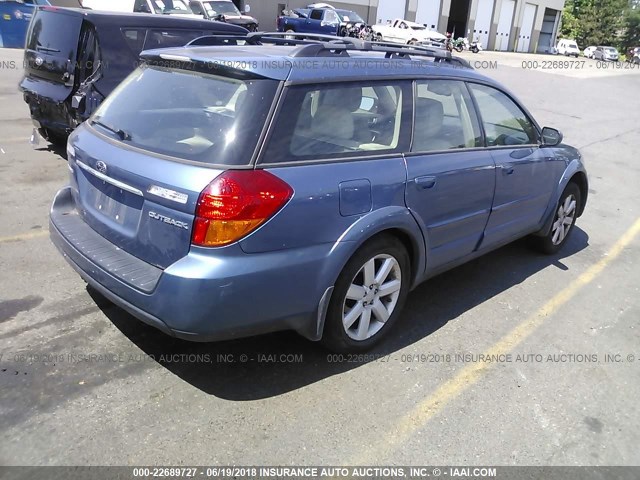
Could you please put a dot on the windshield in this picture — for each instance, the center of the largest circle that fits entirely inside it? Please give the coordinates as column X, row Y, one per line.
column 348, row 16
column 161, row 6
column 217, row 8
column 192, row 116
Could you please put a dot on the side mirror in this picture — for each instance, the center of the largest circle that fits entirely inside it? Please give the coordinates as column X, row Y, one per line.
column 551, row 137
column 247, row 9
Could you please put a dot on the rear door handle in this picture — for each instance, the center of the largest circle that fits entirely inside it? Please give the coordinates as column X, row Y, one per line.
column 507, row 169
column 425, row 182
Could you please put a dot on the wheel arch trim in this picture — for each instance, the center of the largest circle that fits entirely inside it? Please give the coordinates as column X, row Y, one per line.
column 395, row 220
column 575, row 172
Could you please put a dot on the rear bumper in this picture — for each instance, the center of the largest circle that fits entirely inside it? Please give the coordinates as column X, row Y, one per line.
column 49, row 112
column 203, row 297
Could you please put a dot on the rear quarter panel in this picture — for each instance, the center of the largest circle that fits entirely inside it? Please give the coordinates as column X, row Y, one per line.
column 321, row 211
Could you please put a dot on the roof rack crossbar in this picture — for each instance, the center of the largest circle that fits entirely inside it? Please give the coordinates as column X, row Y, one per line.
column 212, row 40
column 314, row 45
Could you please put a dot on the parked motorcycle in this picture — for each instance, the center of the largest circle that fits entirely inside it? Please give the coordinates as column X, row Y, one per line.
column 475, row 46
column 461, row 44
column 357, row 30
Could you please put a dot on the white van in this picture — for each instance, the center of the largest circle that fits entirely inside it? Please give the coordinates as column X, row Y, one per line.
column 170, row 7
column 109, row 5
column 568, row 47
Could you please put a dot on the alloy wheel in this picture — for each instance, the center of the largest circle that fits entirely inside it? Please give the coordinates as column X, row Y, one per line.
column 564, row 220
column 372, row 297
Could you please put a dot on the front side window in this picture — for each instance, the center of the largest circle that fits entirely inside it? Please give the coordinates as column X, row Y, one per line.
column 218, row 7
column 188, row 115
column 503, row 121
column 196, row 8
column 316, row 15
column 331, row 17
column 324, row 122
column 162, row 6
column 445, row 118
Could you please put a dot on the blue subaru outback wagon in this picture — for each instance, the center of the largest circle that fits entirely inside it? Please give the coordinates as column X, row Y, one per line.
column 228, row 191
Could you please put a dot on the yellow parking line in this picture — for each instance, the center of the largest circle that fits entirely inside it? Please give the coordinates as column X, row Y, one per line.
column 430, row 406
column 24, row 236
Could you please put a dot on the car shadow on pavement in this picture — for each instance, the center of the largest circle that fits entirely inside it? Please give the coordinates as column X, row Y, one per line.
column 58, row 150
column 270, row 365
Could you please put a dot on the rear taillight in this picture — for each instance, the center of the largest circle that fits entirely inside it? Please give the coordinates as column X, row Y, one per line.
column 236, row 203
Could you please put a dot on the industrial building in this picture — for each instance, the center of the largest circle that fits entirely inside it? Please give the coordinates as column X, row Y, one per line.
column 510, row 25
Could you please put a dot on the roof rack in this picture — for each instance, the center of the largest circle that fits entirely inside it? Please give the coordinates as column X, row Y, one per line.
column 314, row 45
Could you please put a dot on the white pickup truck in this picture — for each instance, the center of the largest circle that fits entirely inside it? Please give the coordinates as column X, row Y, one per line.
column 403, row 31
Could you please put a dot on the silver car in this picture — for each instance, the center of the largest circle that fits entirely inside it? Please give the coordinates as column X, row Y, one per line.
column 606, row 54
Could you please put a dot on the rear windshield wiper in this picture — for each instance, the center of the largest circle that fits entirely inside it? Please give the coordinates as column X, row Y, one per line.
column 48, row 50
column 122, row 135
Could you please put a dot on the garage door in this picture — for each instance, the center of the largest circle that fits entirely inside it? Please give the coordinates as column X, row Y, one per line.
column 504, row 24
column 547, row 32
column 390, row 10
column 524, row 40
column 483, row 22
column 428, row 13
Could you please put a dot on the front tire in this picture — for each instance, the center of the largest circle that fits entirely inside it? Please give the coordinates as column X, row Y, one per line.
column 564, row 220
column 368, row 296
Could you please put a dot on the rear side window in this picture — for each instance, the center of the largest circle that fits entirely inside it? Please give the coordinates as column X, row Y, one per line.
column 135, row 38
column 170, row 38
column 504, row 122
column 89, row 56
column 187, row 115
column 334, row 121
column 445, row 118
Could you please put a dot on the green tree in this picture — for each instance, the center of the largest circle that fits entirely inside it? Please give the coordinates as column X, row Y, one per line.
column 594, row 22
column 631, row 36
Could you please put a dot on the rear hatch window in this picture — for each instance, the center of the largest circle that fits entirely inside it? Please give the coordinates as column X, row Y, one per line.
column 52, row 46
column 188, row 115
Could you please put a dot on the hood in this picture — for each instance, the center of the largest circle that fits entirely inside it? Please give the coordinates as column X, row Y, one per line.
column 240, row 19
column 431, row 35
column 178, row 13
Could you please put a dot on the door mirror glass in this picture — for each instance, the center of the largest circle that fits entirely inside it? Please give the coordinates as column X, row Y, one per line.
column 551, row 137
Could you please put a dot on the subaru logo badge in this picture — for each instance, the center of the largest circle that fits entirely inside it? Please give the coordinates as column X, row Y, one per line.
column 39, row 61
column 101, row 167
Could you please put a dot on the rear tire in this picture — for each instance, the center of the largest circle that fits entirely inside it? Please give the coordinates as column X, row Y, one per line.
column 55, row 138
column 368, row 296
column 564, row 219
